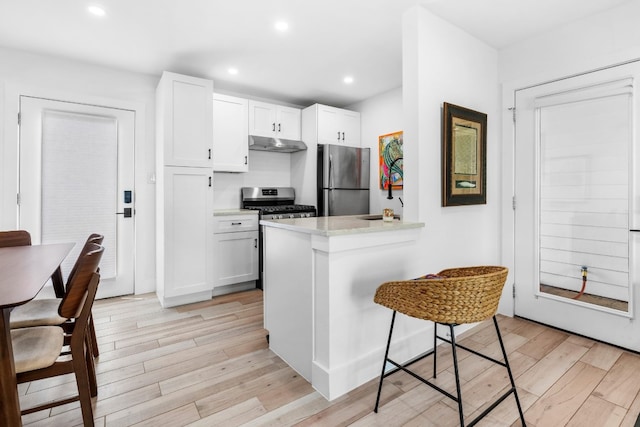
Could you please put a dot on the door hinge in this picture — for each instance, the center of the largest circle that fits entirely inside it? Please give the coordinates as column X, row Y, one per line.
column 513, row 113
column 19, row 119
column 18, row 199
column 513, row 203
column 513, row 288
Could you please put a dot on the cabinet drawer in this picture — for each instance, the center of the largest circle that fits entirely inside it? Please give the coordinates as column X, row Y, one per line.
column 232, row 224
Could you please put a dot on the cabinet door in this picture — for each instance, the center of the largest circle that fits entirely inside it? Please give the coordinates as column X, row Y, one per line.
column 236, row 257
column 328, row 125
column 288, row 125
column 187, row 122
column 350, row 125
column 188, row 231
column 262, row 119
column 230, row 134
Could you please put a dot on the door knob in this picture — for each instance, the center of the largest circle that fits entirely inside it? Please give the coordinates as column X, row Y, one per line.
column 128, row 212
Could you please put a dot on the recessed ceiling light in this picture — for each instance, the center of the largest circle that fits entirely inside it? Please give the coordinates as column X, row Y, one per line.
column 348, row 80
column 233, row 71
column 96, row 10
column 281, row 26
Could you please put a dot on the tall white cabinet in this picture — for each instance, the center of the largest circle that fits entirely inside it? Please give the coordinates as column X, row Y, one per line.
column 184, row 189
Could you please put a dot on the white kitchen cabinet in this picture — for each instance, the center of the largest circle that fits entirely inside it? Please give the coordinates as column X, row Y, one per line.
column 230, row 133
column 184, row 189
column 184, row 239
column 276, row 121
column 184, row 120
column 321, row 124
column 236, row 249
column 337, row 126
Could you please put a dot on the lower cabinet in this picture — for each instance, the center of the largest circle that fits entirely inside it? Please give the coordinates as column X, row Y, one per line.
column 184, row 237
column 236, row 249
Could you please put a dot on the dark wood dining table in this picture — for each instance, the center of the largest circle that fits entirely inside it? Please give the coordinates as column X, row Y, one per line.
column 24, row 270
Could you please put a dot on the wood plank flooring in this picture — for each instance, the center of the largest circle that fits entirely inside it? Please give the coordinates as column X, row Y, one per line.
column 208, row 364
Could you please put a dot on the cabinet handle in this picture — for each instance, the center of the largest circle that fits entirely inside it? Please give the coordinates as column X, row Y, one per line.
column 338, row 135
column 209, row 153
column 279, row 127
column 343, row 136
column 245, row 160
column 255, row 243
column 274, row 126
column 209, row 181
column 236, row 223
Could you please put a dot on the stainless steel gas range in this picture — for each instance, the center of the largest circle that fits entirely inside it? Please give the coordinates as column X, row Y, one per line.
column 273, row 203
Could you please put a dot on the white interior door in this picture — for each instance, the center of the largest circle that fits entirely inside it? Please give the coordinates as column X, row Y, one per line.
column 577, row 197
column 77, row 178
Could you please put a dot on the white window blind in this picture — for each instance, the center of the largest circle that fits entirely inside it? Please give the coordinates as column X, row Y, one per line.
column 79, row 183
column 584, row 141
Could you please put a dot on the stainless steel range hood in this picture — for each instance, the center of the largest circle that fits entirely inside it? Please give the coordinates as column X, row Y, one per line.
column 280, row 145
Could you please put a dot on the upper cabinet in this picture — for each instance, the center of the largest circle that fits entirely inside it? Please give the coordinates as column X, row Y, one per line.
column 230, row 134
column 184, row 112
column 338, row 126
column 276, row 121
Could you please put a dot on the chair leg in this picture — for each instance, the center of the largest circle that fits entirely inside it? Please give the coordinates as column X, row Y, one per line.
column 384, row 362
column 457, row 374
column 435, row 346
column 506, row 362
column 82, row 381
column 91, row 369
column 94, row 339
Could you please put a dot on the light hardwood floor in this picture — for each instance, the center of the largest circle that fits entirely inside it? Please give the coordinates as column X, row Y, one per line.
column 208, row 364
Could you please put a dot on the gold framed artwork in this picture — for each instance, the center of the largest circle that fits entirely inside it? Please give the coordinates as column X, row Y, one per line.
column 390, row 160
column 464, row 160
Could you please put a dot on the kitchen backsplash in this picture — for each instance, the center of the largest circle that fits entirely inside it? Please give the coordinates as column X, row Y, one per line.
column 265, row 170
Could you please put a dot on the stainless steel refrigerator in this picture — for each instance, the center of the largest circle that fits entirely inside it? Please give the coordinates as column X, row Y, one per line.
column 343, row 180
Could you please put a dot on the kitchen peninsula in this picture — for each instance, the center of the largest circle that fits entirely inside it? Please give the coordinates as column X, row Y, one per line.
column 320, row 276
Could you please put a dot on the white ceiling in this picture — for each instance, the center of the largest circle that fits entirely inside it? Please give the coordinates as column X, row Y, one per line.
column 326, row 40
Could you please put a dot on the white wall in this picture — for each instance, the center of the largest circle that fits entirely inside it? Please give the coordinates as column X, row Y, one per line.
column 442, row 63
column 40, row 75
column 380, row 115
column 598, row 41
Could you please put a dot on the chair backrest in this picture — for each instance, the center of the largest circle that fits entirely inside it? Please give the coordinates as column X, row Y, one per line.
column 455, row 296
column 14, row 238
column 77, row 287
column 92, row 239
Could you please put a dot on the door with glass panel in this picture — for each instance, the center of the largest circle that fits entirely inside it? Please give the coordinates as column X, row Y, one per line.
column 77, row 178
column 577, row 205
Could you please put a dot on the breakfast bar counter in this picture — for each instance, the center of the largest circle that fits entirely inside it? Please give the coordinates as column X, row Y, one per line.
column 320, row 276
column 342, row 225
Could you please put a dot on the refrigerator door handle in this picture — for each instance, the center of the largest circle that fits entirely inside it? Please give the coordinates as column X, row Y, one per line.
column 330, row 171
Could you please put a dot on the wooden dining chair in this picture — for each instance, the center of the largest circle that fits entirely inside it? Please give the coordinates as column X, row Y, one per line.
column 40, row 352
column 13, row 238
column 44, row 312
column 23, row 238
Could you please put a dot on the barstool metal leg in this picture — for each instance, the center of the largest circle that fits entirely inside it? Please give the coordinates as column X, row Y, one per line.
column 435, row 345
column 384, row 362
column 506, row 362
column 457, row 374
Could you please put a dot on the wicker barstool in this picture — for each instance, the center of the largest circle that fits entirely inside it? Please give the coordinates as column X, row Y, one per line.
column 450, row 298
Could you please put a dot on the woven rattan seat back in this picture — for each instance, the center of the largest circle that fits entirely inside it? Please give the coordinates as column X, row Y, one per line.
column 458, row 295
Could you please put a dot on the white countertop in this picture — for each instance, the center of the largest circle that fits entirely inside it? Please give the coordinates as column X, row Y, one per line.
column 339, row 225
column 226, row 212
